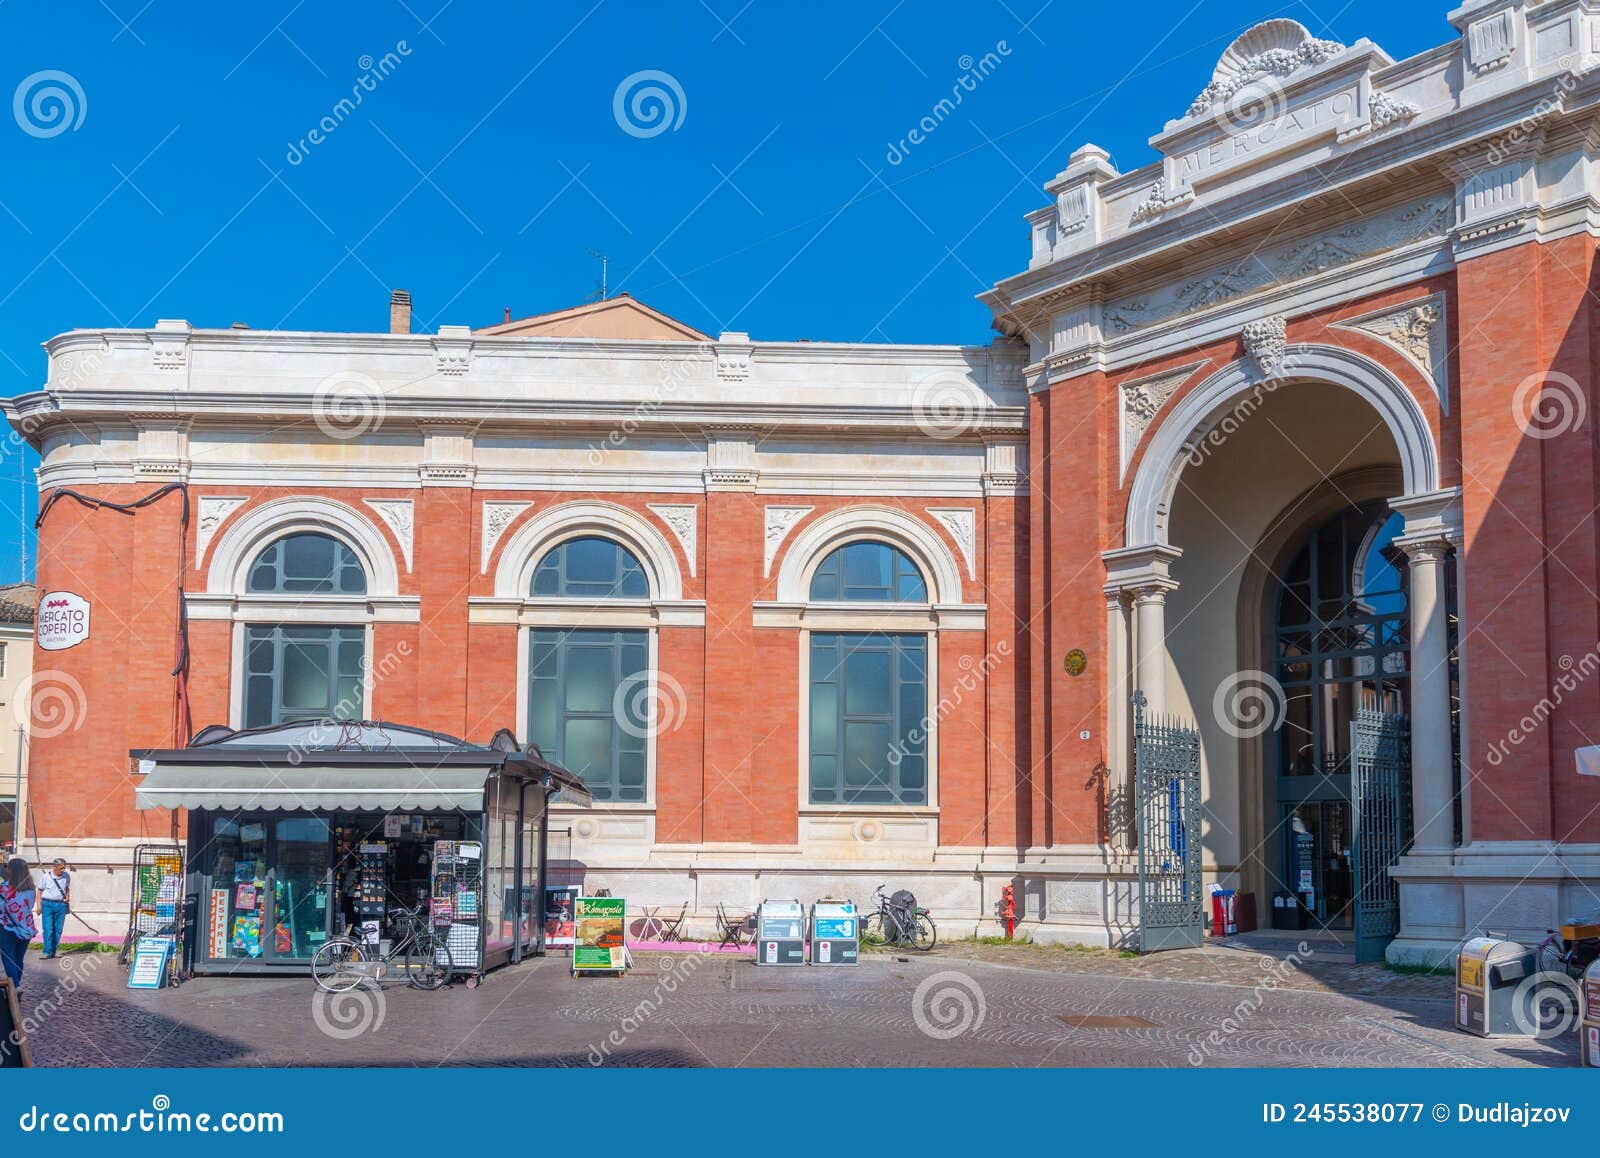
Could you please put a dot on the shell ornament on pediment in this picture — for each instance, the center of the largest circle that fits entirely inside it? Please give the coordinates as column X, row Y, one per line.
column 1275, row 48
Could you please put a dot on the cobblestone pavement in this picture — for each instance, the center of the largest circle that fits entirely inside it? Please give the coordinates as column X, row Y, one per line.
column 692, row 1010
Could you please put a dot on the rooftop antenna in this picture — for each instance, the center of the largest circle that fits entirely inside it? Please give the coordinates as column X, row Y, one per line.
column 604, row 263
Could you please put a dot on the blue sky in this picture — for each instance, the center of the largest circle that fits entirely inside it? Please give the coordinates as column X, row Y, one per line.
column 484, row 165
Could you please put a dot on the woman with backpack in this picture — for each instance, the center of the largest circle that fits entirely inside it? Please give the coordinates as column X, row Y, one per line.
column 16, row 917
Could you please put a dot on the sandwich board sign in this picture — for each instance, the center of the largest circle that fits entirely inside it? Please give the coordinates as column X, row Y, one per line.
column 150, row 959
column 600, row 925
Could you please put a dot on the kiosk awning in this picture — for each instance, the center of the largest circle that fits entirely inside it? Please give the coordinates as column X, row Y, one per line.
column 236, row 788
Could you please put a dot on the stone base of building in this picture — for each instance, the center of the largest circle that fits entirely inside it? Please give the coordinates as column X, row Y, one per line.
column 102, row 881
column 1515, row 889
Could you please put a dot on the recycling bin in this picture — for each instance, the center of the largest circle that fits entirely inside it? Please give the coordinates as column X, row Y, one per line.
column 1223, row 922
column 781, row 933
column 1589, row 1030
column 835, row 933
column 1488, row 971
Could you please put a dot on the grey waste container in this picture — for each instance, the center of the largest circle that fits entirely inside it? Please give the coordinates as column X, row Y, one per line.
column 835, row 933
column 1488, row 971
column 781, row 933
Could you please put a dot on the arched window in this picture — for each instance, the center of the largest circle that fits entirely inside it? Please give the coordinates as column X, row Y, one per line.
column 589, row 693
column 591, row 568
column 296, row 671
column 307, row 564
column 869, row 689
column 868, row 573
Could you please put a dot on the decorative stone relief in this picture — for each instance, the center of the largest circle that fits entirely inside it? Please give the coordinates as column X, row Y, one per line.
column 1074, row 210
column 1143, row 400
column 780, row 521
column 1275, row 49
column 1289, row 262
column 1266, row 342
column 497, row 516
column 733, row 357
column 211, row 513
column 684, row 519
column 169, row 345
column 962, row 523
column 1157, row 204
column 1491, row 42
column 1383, row 112
column 730, row 459
column 452, row 350
column 1416, row 330
column 397, row 515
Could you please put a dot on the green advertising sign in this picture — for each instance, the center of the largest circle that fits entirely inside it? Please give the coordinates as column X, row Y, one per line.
column 601, row 929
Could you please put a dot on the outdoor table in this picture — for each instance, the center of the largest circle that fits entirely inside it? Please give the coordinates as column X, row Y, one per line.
column 650, row 915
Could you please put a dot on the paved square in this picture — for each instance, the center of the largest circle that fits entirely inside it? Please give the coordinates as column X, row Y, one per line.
column 962, row 1006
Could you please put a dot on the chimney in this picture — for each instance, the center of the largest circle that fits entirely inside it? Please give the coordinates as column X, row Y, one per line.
column 400, row 312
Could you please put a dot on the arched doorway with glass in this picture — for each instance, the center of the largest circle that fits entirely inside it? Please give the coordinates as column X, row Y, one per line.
column 1340, row 643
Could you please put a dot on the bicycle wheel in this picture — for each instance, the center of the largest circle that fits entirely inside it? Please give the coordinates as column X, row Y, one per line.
column 924, row 936
column 337, row 965
column 872, row 929
column 428, row 964
column 1551, row 956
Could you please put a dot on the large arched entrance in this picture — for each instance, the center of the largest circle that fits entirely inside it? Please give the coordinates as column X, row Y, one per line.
column 1272, row 602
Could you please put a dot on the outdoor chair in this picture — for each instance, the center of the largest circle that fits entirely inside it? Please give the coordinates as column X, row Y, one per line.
column 732, row 927
column 672, row 927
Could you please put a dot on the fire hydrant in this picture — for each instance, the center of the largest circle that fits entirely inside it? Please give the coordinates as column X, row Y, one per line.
column 1008, row 910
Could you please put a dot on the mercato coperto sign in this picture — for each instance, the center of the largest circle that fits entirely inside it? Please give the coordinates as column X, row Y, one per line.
column 63, row 620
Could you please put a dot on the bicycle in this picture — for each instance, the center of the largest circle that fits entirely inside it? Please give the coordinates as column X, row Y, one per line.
column 342, row 963
column 900, row 921
column 1558, row 954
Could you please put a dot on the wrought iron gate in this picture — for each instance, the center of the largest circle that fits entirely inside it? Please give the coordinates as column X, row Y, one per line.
column 1167, row 783
column 1379, row 804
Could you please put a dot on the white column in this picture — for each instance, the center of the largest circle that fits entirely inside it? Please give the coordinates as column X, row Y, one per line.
column 1432, row 780
column 1150, row 621
column 1119, row 720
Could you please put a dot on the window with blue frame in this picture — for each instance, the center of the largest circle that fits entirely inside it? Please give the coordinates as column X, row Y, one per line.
column 869, row 707
column 868, row 573
column 588, row 706
column 304, row 671
column 869, row 690
column 590, row 568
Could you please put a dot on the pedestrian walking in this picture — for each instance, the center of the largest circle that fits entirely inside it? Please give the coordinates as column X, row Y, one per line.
column 16, row 917
column 55, row 902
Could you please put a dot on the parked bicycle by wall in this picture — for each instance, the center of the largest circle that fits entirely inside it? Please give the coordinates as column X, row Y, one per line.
column 342, row 963
column 900, row 921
